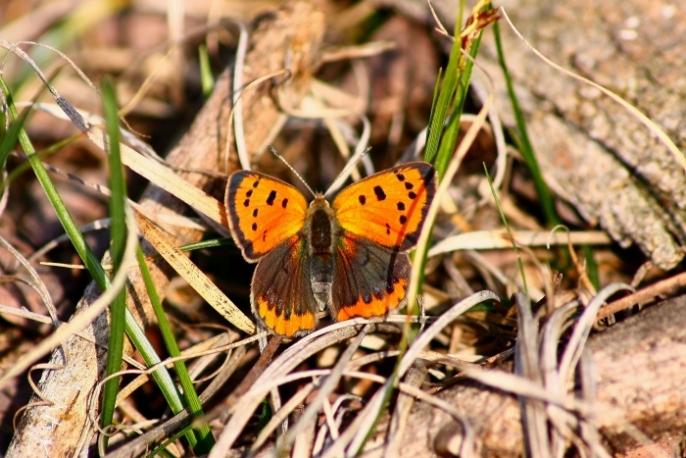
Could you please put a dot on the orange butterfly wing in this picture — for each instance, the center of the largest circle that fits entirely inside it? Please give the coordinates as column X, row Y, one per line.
column 281, row 291
column 263, row 212
column 382, row 216
column 388, row 208
column 369, row 280
column 266, row 217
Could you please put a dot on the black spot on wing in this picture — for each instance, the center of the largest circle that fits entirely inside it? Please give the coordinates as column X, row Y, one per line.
column 380, row 194
column 388, row 229
column 254, row 213
column 254, row 226
column 249, row 193
column 246, row 202
column 412, row 195
column 362, row 199
column 271, row 198
column 401, row 206
column 284, row 203
column 408, row 185
column 400, row 176
column 403, row 219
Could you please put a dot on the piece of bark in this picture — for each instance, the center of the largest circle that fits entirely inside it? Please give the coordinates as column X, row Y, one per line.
column 592, row 151
column 294, row 30
column 639, row 369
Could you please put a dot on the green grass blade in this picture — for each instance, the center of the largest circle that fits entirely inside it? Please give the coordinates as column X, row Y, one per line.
column 115, row 348
column 160, row 374
column 591, row 266
column 449, row 97
column 434, row 102
column 9, row 138
column 206, row 77
column 440, row 113
column 205, row 438
column 526, row 148
column 209, row 243
column 509, row 231
column 449, row 139
column 22, row 168
column 92, row 264
column 71, row 229
column 442, row 141
column 448, row 86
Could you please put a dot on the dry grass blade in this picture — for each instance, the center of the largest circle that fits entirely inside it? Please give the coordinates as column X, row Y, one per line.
column 399, row 419
column 279, row 368
column 37, row 283
column 454, row 164
column 649, row 123
column 82, row 320
column 326, row 388
column 153, row 171
column 582, row 329
column 667, row 286
column 525, row 388
column 607, row 405
column 196, row 278
column 358, row 430
column 430, row 332
column 527, row 365
column 544, row 396
column 282, row 414
column 500, row 239
column 171, row 426
column 552, row 333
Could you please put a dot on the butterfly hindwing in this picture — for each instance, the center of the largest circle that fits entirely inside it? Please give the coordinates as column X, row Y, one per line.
column 368, row 279
column 263, row 212
column 281, row 292
column 388, row 208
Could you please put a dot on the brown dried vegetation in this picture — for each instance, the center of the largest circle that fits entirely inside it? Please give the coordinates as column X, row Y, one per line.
column 576, row 367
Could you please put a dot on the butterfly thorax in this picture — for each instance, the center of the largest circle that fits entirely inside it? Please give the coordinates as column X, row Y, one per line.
column 319, row 226
column 320, row 230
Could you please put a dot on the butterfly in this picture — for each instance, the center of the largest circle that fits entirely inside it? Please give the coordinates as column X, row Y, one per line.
column 348, row 256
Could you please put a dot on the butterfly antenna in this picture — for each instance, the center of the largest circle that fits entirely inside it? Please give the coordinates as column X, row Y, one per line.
column 290, row 167
column 347, row 170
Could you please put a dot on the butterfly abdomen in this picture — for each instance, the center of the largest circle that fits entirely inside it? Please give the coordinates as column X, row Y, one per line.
column 321, row 277
column 319, row 234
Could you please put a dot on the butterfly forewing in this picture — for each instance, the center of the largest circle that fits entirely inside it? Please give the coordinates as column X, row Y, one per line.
column 388, row 208
column 263, row 212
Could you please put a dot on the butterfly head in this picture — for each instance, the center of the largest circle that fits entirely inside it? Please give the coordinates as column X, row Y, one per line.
column 319, row 201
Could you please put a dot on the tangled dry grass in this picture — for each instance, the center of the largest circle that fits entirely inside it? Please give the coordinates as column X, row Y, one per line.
column 523, row 344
